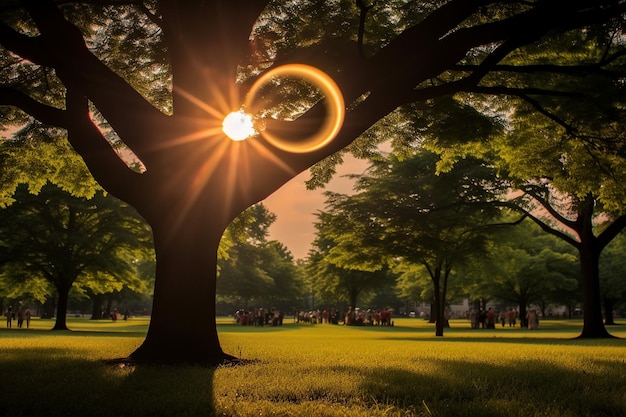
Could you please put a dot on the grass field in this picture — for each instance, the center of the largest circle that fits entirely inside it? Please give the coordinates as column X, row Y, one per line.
column 321, row 370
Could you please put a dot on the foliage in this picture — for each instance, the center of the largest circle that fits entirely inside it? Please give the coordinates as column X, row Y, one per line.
column 407, row 213
column 71, row 241
column 37, row 155
column 330, row 277
column 255, row 270
column 527, row 266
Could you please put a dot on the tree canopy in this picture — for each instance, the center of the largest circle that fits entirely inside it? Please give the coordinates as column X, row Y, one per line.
column 69, row 240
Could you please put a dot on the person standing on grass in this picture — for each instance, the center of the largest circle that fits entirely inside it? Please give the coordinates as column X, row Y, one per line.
column 531, row 318
column 27, row 317
column 20, row 318
column 9, row 314
column 473, row 318
column 491, row 324
column 511, row 316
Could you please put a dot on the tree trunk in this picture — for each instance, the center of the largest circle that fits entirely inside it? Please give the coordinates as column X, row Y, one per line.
column 182, row 327
column 593, row 326
column 353, row 298
column 61, row 318
column 96, row 311
column 522, row 314
column 438, row 303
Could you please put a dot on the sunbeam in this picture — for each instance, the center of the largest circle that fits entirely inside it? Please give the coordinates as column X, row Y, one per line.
column 230, row 163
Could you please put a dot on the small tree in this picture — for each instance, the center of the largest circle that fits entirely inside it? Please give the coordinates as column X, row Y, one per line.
column 525, row 266
column 330, row 277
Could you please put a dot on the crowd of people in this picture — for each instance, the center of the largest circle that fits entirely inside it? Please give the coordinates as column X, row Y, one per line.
column 260, row 317
column 486, row 319
column 353, row 317
column 22, row 316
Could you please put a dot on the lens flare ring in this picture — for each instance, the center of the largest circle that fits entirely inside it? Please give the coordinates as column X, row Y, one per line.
column 334, row 102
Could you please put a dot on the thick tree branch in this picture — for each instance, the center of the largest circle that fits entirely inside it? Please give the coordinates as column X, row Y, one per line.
column 576, row 70
column 521, row 29
column 103, row 162
column 30, row 48
column 611, row 232
column 79, row 69
column 544, row 226
column 543, row 200
column 45, row 114
column 363, row 10
column 391, row 75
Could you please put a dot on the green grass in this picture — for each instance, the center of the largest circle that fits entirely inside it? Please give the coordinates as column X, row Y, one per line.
column 319, row 370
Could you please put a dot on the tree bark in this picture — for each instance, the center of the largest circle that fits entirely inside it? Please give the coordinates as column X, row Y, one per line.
column 182, row 327
column 593, row 326
column 523, row 304
column 61, row 318
column 354, row 293
column 96, row 311
column 438, row 302
column 589, row 252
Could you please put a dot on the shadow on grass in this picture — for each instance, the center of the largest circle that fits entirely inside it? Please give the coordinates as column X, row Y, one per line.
column 459, row 388
column 34, row 333
column 44, row 382
column 517, row 340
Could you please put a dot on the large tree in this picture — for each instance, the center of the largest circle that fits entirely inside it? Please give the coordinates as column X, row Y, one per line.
column 60, row 57
column 65, row 240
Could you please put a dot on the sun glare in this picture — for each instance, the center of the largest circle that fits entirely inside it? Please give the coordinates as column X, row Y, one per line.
column 334, row 102
column 238, row 125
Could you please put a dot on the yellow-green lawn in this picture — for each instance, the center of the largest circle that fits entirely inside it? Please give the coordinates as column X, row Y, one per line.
column 319, row 370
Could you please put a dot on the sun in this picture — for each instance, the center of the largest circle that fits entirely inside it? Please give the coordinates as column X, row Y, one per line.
column 238, row 125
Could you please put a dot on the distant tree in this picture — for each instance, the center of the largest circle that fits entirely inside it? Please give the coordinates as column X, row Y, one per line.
column 331, row 278
column 288, row 288
column 414, row 284
column 405, row 212
column 67, row 240
column 578, row 212
column 104, row 287
column 526, row 265
column 254, row 269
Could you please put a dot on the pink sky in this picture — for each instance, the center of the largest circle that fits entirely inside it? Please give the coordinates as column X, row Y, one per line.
column 295, row 207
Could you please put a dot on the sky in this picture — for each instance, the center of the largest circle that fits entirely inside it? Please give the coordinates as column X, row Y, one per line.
column 295, row 207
